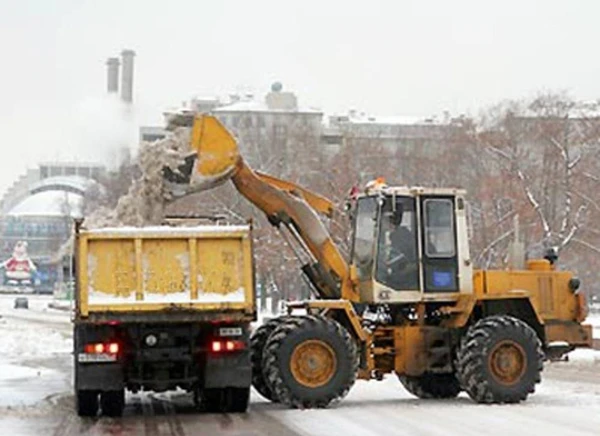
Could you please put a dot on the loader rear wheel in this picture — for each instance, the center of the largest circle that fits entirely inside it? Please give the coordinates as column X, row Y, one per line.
column 310, row 361
column 258, row 340
column 500, row 360
column 431, row 385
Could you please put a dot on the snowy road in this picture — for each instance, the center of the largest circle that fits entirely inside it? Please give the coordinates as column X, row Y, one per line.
column 36, row 398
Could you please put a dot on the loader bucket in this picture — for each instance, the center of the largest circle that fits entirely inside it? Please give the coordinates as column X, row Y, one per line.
column 212, row 160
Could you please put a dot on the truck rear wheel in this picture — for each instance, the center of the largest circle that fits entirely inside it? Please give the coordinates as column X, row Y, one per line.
column 86, row 403
column 226, row 400
column 258, row 340
column 431, row 385
column 500, row 360
column 310, row 361
column 112, row 403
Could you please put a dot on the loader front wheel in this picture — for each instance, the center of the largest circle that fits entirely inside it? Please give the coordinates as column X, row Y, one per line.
column 500, row 360
column 258, row 340
column 310, row 361
column 429, row 385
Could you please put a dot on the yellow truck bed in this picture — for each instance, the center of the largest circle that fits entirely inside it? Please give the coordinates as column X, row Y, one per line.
column 129, row 269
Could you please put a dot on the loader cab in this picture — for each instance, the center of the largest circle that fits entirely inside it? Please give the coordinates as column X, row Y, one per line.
column 411, row 245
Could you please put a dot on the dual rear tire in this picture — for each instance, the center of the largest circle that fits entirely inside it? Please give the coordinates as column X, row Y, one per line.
column 111, row 403
column 226, row 400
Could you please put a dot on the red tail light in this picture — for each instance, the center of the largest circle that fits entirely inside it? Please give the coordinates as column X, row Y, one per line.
column 219, row 346
column 99, row 348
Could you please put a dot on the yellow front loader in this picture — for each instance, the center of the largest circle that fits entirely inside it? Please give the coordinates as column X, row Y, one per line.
column 407, row 300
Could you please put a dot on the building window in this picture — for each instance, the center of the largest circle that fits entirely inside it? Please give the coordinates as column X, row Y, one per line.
column 280, row 132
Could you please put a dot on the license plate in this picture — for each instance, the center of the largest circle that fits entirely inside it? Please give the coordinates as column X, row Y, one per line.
column 230, row 331
column 100, row 357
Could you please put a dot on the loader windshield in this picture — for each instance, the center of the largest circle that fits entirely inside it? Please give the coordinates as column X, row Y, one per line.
column 365, row 221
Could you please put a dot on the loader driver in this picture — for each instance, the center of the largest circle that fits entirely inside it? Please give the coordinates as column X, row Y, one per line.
column 400, row 247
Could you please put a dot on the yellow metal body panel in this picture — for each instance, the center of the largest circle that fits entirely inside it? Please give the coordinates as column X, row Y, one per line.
column 548, row 291
column 571, row 332
column 199, row 268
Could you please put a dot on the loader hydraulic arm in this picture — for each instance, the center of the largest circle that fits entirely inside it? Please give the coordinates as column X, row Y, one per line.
column 286, row 204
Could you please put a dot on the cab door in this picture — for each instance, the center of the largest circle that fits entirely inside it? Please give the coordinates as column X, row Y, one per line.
column 439, row 244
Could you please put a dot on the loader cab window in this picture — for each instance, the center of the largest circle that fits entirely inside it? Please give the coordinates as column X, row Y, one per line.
column 439, row 228
column 397, row 259
column 364, row 236
column 440, row 260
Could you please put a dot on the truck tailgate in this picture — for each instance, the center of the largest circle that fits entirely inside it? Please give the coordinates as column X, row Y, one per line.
column 154, row 268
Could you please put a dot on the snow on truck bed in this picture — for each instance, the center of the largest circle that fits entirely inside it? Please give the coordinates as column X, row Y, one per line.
column 167, row 230
column 101, row 298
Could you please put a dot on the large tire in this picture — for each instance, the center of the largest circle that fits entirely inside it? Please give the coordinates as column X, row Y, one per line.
column 310, row 361
column 112, row 403
column 499, row 360
column 430, row 385
column 86, row 403
column 226, row 400
column 258, row 340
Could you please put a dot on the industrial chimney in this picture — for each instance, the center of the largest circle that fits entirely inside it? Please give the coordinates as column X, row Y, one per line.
column 127, row 76
column 113, row 75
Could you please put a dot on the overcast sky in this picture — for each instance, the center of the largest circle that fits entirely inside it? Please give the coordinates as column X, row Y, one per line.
column 397, row 57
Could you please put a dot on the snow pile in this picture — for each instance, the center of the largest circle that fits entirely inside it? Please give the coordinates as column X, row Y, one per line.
column 18, row 343
column 147, row 198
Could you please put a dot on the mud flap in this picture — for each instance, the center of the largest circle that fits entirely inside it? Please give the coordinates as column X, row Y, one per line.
column 99, row 376
column 228, row 371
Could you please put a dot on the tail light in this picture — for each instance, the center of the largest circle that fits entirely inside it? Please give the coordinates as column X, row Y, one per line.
column 101, row 348
column 226, row 345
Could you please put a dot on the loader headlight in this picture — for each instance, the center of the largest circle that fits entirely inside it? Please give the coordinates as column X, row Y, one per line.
column 151, row 340
column 574, row 284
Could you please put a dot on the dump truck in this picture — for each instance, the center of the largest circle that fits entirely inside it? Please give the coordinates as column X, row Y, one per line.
column 160, row 308
column 408, row 300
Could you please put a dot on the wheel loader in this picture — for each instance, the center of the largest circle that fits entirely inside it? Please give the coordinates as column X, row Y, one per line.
column 407, row 301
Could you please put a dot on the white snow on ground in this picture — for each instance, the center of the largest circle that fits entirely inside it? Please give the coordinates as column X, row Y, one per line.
column 385, row 408
column 25, row 344
column 594, row 320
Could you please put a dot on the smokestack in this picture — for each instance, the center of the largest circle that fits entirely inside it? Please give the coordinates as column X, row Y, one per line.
column 113, row 75
column 127, row 76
